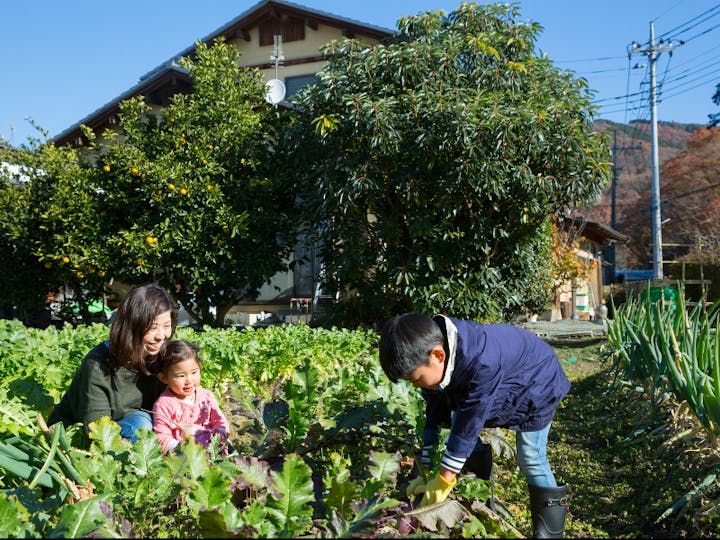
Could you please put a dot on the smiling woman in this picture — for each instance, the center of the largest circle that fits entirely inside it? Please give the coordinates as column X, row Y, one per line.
column 116, row 378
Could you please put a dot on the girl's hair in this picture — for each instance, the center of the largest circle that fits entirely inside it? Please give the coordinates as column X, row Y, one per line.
column 133, row 320
column 405, row 344
column 176, row 351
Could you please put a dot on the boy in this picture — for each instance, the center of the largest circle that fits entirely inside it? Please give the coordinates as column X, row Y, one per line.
column 474, row 376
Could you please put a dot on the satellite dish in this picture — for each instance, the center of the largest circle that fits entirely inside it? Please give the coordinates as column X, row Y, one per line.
column 275, row 91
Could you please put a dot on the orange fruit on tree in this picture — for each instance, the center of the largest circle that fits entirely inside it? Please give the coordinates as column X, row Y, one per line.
column 106, row 168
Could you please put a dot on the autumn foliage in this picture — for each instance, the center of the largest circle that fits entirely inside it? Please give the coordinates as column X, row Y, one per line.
column 689, row 188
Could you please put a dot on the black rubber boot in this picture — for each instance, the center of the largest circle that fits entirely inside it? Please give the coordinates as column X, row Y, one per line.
column 480, row 461
column 548, row 506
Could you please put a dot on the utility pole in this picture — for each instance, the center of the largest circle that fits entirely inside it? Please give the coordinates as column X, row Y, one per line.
column 652, row 52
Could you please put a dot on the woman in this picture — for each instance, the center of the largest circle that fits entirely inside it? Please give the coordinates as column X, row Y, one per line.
column 115, row 378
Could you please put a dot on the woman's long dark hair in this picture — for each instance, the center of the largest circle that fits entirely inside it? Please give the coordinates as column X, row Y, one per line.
column 132, row 321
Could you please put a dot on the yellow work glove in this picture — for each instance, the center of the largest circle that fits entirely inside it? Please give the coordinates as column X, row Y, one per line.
column 417, row 485
column 437, row 490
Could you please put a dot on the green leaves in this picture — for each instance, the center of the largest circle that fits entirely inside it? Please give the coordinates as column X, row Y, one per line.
column 202, row 168
column 209, row 491
column 82, row 518
column 105, row 436
column 353, row 427
column 50, row 231
column 291, row 512
column 13, row 416
column 453, row 147
column 384, row 466
column 670, row 348
column 189, row 198
column 145, row 454
column 14, row 518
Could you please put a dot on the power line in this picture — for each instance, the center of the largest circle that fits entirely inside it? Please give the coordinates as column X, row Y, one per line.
column 691, row 192
column 678, row 79
column 716, row 9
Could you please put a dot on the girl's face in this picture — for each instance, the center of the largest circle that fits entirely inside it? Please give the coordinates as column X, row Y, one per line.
column 182, row 378
column 160, row 331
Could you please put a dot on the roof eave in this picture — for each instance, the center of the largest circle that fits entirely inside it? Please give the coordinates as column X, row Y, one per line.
column 99, row 117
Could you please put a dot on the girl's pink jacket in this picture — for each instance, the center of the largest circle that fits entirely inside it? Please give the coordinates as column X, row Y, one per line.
column 171, row 415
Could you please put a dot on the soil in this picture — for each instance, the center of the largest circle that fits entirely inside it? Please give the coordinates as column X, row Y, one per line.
column 621, row 458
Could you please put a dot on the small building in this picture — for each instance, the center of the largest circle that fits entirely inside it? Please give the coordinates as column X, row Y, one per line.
column 597, row 247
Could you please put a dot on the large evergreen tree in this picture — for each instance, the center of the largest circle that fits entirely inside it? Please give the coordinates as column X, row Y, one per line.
column 434, row 161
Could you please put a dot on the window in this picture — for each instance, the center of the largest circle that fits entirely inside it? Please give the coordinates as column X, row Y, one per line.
column 294, row 84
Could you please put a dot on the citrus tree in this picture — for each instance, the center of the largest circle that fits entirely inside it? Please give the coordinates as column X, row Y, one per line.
column 192, row 190
column 20, row 272
column 53, row 234
column 435, row 160
column 188, row 197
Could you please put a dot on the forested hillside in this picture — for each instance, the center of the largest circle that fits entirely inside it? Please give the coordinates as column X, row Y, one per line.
column 689, row 157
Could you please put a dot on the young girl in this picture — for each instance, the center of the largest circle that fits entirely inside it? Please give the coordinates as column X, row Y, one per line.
column 114, row 379
column 185, row 408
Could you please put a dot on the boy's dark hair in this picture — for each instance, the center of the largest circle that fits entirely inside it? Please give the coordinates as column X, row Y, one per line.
column 405, row 344
column 133, row 319
column 176, row 351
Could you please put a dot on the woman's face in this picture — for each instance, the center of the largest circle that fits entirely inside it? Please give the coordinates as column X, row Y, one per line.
column 160, row 331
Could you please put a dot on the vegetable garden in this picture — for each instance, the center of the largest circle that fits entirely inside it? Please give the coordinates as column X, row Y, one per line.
column 323, row 443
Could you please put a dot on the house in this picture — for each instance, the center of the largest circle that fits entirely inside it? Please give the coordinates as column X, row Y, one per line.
column 282, row 40
column 303, row 31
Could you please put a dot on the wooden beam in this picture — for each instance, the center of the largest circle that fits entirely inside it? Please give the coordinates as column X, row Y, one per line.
column 311, row 23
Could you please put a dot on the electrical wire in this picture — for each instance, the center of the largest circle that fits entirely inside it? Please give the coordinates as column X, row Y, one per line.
column 678, row 77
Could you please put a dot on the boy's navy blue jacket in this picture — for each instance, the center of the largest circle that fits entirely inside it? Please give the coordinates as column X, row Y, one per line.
column 496, row 375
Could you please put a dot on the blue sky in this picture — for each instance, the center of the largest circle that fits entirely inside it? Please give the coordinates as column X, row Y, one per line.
column 60, row 61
